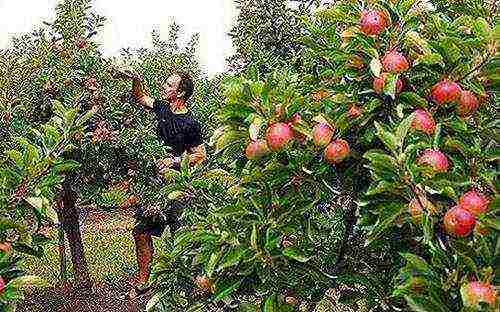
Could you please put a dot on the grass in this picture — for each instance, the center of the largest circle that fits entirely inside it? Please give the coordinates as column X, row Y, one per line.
column 109, row 250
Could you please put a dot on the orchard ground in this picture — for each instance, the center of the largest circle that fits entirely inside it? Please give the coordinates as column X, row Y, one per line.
column 109, row 249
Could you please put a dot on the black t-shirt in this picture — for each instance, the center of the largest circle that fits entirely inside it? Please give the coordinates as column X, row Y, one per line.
column 179, row 131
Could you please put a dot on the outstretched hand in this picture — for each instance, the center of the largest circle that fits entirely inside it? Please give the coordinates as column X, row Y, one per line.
column 125, row 74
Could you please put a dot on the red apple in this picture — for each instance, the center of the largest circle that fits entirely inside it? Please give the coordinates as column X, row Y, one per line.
column 354, row 111
column 379, row 84
column 415, row 207
column 477, row 292
column 204, row 283
column 256, row 149
column 278, row 135
column 372, row 22
column 322, row 134
column 445, row 92
column 394, row 62
column 6, row 247
column 2, row 285
column 81, row 43
column 336, row 151
column 474, row 202
column 423, row 121
column 434, row 158
column 319, row 95
column 91, row 84
column 459, row 222
column 467, row 104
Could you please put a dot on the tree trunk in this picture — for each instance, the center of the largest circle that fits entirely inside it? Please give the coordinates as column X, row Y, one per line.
column 62, row 254
column 69, row 215
column 348, row 201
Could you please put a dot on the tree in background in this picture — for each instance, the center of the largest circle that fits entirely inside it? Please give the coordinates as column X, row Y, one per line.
column 265, row 33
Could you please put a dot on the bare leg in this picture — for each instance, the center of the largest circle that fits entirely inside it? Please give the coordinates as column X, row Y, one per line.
column 144, row 252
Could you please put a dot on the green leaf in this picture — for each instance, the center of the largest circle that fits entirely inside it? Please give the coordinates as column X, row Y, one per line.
column 67, row 166
column 295, row 254
column 382, row 163
column 405, row 6
column 233, row 257
column 36, row 202
column 423, row 304
column 390, row 85
column 70, row 115
column 469, row 263
column 212, row 262
column 177, row 195
column 16, row 156
column 477, row 87
column 51, row 214
column 402, row 130
column 230, row 210
column 225, row 289
column 302, row 128
column 171, row 174
column 153, row 301
column 80, row 122
column 430, row 59
column 380, row 188
column 390, row 211
column 493, row 223
column 271, row 304
column 27, row 249
column 417, row 263
column 18, row 225
column 413, row 100
column 481, row 28
column 31, row 154
column 58, row 108
column 52, row 136
column 388, row 138
column 253, row 238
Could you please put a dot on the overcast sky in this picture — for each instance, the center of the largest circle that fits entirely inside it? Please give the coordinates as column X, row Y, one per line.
column 130, row 23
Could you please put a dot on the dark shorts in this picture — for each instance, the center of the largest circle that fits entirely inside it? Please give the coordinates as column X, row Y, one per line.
column 154, row 223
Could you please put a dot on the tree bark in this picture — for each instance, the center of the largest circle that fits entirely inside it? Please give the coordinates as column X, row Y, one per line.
column 348, row 200
column 62, row 254
column 69, row 215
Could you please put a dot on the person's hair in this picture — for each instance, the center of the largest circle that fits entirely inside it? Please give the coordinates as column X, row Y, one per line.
column 186, row 84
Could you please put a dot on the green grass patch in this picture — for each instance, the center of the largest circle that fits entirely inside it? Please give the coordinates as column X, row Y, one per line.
column 109, row 249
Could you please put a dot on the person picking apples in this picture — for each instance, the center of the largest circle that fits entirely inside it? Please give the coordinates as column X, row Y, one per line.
column 178, row 130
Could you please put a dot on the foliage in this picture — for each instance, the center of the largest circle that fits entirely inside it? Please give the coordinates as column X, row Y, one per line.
column 31, row 173
column 405, row 262
column 265, row 33
column 288, row 226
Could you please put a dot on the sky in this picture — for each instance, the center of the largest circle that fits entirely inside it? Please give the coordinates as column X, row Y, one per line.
column 130, row 23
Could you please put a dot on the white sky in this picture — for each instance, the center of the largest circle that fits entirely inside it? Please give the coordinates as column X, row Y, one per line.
column 130, row 23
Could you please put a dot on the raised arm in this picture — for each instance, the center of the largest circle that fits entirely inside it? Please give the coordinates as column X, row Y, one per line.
column 140, row 94
column 138, row 90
